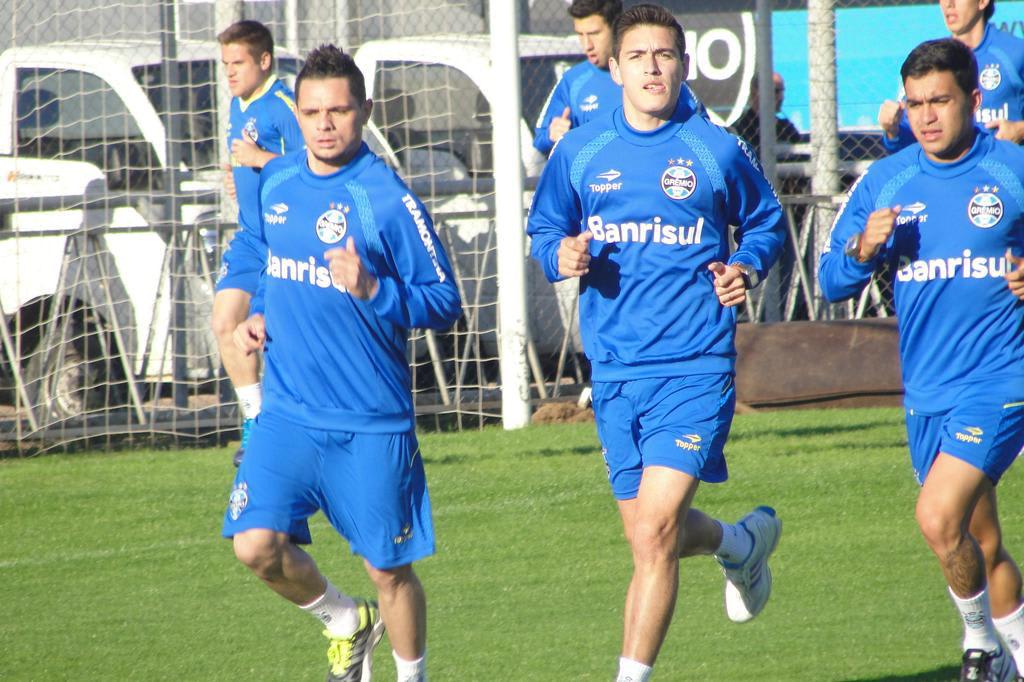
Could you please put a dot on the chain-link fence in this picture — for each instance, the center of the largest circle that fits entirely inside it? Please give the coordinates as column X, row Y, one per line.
column 113, row 219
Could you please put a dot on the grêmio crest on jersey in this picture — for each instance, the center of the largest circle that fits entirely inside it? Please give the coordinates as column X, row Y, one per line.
column 678, row 181
column 332, row 224
column 985, row 209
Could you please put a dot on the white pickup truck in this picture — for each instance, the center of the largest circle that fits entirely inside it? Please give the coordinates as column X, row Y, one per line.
column 86, row 216
column 86, row 210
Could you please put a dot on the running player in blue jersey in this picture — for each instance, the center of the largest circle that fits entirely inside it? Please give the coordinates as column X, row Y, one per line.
column 947, row 218
column 1000, row 58
column 353, row 263
column 261, row 127
column 587, row 90
column 638, row 206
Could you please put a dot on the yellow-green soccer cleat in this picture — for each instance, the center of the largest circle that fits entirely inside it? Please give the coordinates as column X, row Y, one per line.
column 351, row 658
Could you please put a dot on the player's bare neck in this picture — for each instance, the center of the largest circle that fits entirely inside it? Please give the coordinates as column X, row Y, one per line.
column 328, row 166
column 956, row 151
column 973, row 34
column 647, row 121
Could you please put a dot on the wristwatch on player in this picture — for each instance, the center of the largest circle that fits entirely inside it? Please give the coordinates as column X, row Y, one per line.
column 749, row 273
column 852, row 248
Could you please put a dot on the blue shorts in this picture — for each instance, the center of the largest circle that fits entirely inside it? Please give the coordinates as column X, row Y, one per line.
column 984, row 430
column 679, row 422
column 240, row 268
column 371, row 487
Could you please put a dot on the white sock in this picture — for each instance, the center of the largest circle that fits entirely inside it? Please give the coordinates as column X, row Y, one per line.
column 250, row 399
column 979, row 632
column 410, row 671
column 1011, row 629
column 338, row 612
column 736, row 544
column 632, row 671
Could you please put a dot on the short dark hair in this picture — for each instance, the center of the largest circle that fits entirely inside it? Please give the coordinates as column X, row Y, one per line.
column 328, row 61
column 650, row 15
column 252, row 34
column 944, row 54
column 608, row 9
column 990, row 9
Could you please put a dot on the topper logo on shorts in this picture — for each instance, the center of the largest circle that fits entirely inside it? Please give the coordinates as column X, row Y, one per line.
column 678, row 181
column 973, row 435
column 238, row 500
column 405, row 536
column 692, row 442
column 985, row 209
column 421, row 227
column 332, row 225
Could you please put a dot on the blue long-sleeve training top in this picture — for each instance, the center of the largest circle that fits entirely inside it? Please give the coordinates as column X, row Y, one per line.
column 590, row 93
column 959, row 324
column 334, row 361
column 659, row 205
column 1000, row 58
column 267, row 119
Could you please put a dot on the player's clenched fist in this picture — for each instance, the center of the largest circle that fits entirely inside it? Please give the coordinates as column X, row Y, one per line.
column 877, row 232
column 250, row 335
column 246, row 153
column 229, row 181
column 349, row 271
column 560, row 125
column 729, row 285
column 889, row 118
column 1015, row 274
column 574, row 255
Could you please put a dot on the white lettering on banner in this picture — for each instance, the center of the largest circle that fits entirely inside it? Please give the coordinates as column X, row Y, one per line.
column 734, row 52
column 642, row 232
column 965, row 266
column 699, row 48
column 421, row 227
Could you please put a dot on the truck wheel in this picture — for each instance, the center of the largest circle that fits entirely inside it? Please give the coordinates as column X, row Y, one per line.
column 85, row 381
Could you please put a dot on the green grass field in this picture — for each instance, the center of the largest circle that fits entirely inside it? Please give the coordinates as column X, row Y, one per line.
column 111, row 565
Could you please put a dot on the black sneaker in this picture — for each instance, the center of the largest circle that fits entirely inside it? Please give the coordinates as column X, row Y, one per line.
column 988, row 666
column 974, row 664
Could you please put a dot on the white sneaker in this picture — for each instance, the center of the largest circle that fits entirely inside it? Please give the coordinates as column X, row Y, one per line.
column 748, row 584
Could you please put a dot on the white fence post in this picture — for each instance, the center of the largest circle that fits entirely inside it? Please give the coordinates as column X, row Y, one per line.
column 508, row 201
column 821, row 66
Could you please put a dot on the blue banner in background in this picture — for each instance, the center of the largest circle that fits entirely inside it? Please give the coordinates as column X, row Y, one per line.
column 871, row 44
